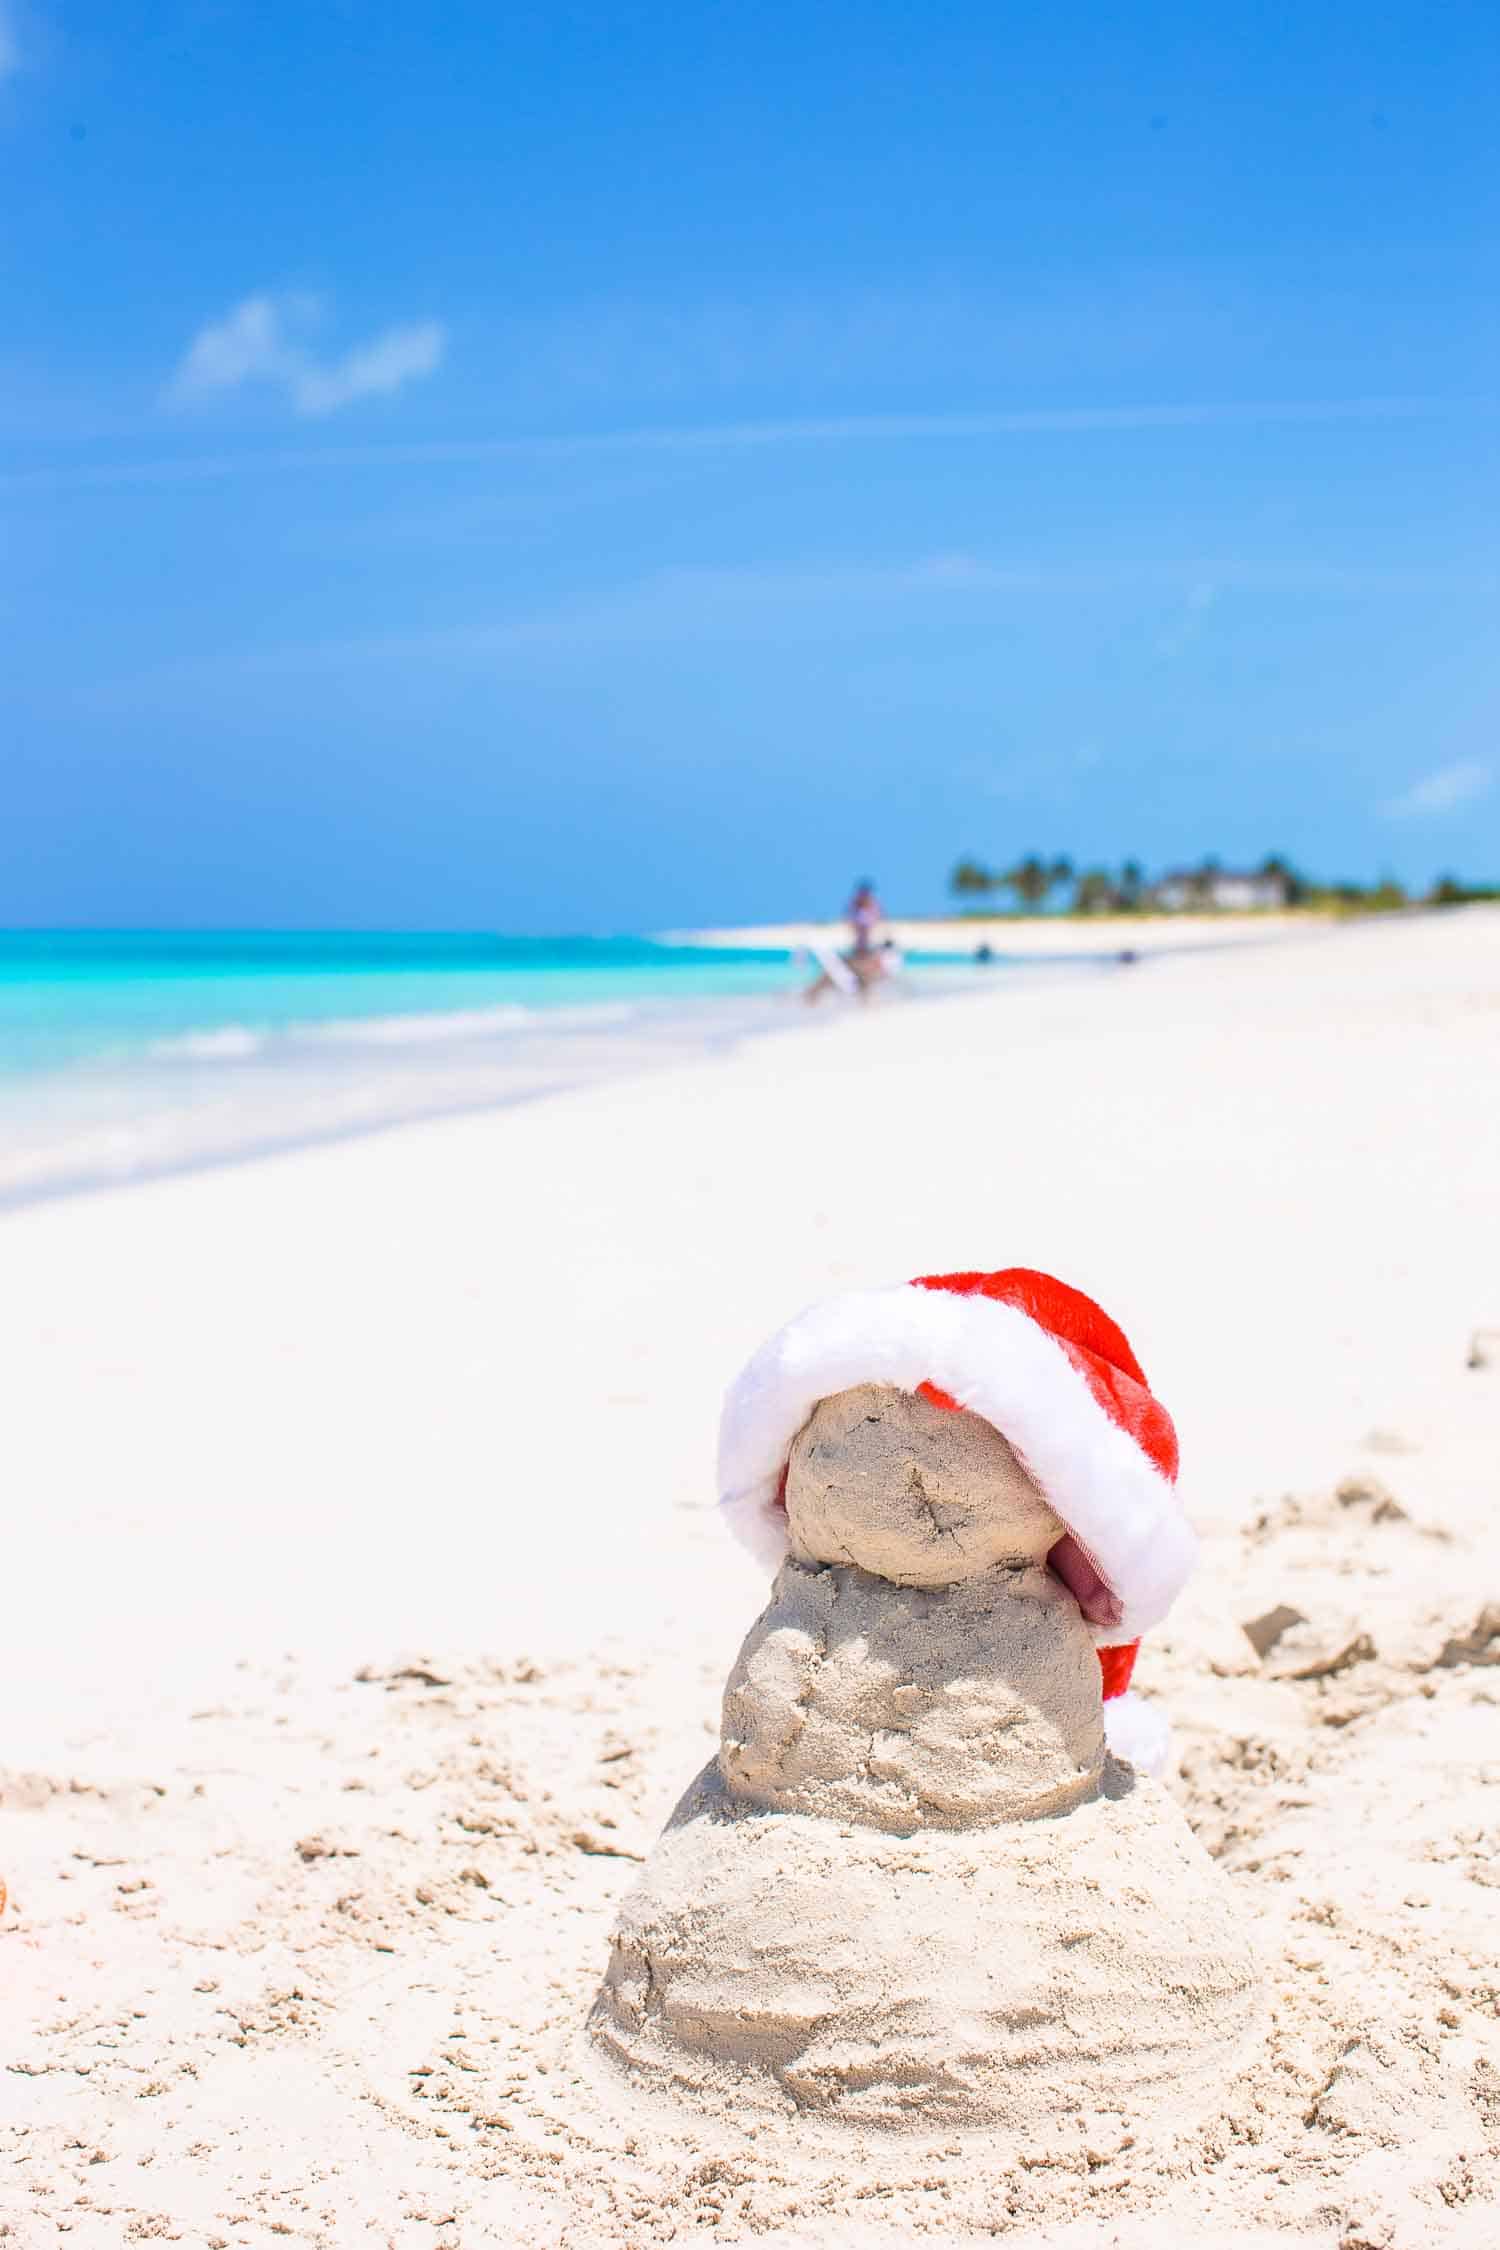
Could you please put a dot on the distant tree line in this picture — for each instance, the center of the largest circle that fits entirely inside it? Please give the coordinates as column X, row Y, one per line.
column 1448, row 891
column 1035, row 882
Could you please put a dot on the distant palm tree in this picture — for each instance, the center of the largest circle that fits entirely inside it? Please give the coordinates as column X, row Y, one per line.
column 1096, row 892
column 1294, row 886
column 1030, row 879
column 971, row 879
column 1132, row 884
column 1060, row 874
column 1201, row 883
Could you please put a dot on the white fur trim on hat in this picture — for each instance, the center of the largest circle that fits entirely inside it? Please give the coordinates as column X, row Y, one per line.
column 1000, row 1364
column 1136, row 1731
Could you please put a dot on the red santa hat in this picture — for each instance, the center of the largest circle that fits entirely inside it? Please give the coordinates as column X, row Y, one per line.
column 1053, row 1374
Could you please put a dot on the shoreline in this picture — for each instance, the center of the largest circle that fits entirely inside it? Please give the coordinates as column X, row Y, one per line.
column 233, row 1091
column 1041, row 934
column 227, row 1096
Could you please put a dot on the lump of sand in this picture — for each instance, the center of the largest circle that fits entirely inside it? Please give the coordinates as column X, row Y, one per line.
column 913, row 1887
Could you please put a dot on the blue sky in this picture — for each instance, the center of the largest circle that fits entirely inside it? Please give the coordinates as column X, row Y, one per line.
column 581, row 467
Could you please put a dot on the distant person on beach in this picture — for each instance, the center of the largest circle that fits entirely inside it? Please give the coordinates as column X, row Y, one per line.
column 865, row 916
column 866, row 964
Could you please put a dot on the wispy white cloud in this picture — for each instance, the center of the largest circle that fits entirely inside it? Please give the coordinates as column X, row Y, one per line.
column 723, row 437
column 689, row 605
column 264, row 340
column 394, row 357
column 1441, row 791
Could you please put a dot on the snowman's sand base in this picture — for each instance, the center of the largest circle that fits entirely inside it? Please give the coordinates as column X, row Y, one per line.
column 1017, row 1976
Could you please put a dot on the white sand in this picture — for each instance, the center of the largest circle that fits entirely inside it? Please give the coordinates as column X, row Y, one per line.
column 293, row 1951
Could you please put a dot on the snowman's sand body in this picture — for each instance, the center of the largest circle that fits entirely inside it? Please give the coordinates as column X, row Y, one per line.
column 913, row 1888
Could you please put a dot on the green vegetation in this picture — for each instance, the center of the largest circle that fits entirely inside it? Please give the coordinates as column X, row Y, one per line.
column 1035, row 882
column 1448, row 891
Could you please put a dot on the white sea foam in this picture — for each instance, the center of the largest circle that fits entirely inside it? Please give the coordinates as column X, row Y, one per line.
column 237, row 1042
column 418, row 1030
column 459, row 1023
column 232, row 1042
column 238, row 1091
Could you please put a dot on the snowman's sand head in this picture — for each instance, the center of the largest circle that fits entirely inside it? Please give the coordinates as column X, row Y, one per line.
column 913, row 1492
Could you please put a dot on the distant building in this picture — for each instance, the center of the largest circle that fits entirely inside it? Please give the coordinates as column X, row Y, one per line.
column 1190, row 890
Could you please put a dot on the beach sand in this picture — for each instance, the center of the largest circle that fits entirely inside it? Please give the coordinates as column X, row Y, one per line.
column 368, row 1611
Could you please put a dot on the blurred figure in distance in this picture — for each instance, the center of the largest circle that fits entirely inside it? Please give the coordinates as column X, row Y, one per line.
column 866, row 964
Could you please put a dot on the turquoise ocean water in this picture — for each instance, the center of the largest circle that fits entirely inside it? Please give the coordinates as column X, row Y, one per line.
column 128, row 1055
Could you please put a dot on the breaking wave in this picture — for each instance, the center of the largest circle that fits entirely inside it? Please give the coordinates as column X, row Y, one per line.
column 232, row 1042
column 238, row 1042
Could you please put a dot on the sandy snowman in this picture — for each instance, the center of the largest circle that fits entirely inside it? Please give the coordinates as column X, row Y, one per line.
column 928, row 1880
